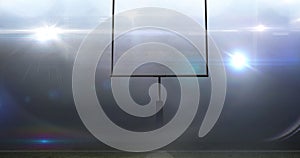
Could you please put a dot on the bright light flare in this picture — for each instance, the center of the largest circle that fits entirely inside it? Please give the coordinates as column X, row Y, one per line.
column 260, row 28
column 44, row 141
column 47, row 33
column 239, row 61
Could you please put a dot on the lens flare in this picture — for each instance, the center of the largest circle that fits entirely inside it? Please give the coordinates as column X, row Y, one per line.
column 238, row 61
column 47, row 33
column 260, row 28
